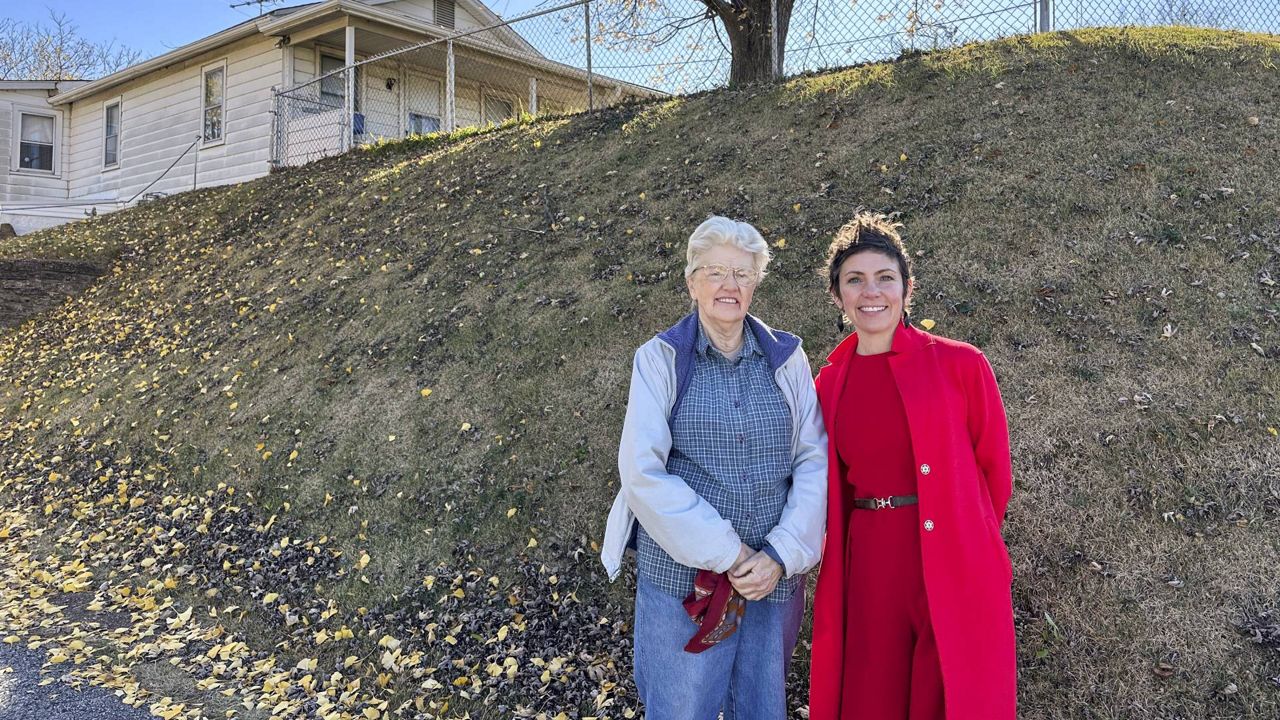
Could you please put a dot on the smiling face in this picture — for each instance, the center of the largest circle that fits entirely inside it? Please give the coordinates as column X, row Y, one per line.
column 872, row 294
column 722, row 303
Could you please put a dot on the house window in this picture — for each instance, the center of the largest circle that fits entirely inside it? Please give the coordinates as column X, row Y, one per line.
column 420, row 124
column 333, row 88
column 111, row 135
column 498, row 110
column 215, row 89
column 35, row 148
column 546, row 106
column 445, row 14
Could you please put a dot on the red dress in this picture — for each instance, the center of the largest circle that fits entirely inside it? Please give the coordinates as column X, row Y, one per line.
column 960, row 446
column 891, row 669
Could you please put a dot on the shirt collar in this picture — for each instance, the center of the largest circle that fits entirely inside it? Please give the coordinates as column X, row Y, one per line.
column 750, row 346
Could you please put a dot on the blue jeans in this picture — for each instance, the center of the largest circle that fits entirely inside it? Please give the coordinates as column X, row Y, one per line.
column 744, row 676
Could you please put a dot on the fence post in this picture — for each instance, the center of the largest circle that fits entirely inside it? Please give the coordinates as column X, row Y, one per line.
column 914, row 25
column 1046, row 24
column 586, row 15
column 349, row 94
column 275, row 128
column 450, row 120
column 533, row 96
column 773, row 38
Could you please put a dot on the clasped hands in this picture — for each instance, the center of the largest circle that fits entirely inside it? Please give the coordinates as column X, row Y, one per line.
column 754, row 574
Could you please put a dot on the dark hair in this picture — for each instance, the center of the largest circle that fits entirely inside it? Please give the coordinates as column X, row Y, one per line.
column 868, row 232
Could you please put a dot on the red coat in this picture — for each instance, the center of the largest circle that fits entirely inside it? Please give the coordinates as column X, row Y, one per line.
column 960, row 440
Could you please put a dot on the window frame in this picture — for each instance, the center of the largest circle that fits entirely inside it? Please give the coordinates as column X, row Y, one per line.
column 323, row 51
column 118, row 103
column 486, row 93
column 56, row 162
column 204, row 108
column 409, row 122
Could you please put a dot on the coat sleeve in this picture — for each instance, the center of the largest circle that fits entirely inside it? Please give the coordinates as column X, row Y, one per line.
column 798, row 535
column 683, row 524
column 989, row 432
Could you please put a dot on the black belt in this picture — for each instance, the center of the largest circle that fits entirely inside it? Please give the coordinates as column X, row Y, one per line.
column 885, row 503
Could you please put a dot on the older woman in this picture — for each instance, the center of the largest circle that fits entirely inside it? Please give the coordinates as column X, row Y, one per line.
column 912, row 618
column 723, row 465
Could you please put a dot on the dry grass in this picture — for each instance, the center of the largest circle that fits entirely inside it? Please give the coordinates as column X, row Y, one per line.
column 1096, row 210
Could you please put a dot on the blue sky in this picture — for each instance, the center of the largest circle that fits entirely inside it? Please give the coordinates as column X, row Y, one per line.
column 157, row 26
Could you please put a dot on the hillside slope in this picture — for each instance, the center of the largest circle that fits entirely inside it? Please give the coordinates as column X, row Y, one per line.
column 362, row 415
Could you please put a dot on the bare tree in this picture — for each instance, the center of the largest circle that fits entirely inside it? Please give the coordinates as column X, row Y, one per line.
column 56, row 51
column 1191, row 12
column 747, row 25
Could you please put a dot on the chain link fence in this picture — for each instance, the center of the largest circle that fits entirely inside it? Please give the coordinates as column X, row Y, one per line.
column 1249, row 15
column 472, row 71
column 824, row 34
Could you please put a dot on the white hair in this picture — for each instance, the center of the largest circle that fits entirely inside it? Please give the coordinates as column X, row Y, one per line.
column 717, row 230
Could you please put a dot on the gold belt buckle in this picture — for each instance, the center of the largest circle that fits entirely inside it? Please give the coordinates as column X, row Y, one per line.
column 884, row 502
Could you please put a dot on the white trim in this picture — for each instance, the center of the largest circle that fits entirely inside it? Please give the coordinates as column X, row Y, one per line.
column 118, row 101
column 55, row 85
column 204, row 70
column 15, row 164
column 286, row 66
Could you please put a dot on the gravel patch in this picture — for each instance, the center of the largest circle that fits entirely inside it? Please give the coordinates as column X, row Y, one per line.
column 23, row 698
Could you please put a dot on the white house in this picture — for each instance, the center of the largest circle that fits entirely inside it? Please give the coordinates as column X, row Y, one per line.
column 271, row 92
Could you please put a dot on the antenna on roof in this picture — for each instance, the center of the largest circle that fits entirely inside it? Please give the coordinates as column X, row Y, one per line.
column 259, row 3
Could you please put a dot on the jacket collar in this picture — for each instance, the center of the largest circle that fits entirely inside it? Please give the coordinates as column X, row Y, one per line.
column 750, row 346
column 776, row 346
column 905, row 339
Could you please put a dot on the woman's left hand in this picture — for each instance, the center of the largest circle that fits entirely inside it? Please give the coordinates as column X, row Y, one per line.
column 755, row 577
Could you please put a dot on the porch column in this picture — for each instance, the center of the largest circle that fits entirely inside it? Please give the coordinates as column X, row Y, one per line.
column 450, row 119
column 349, row 97
column 533, row 96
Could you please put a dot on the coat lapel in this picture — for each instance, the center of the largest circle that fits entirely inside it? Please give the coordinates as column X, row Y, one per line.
column 914, row 372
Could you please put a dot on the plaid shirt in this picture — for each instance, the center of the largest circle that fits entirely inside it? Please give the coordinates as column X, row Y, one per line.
column 731, row 443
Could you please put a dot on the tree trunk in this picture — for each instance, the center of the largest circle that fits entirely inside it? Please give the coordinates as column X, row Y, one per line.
column 749, row 26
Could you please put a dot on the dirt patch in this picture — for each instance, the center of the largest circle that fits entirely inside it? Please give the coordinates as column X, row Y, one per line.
column 29, row 287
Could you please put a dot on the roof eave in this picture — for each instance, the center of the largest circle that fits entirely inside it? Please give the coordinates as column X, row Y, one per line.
column 133, row 72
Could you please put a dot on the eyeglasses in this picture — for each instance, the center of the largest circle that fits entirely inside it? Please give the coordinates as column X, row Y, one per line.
column 745, row 277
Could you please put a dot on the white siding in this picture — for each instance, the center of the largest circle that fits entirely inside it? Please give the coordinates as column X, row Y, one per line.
column 464, row 20
column 425, row 10
column 27, row 187
column 466, row 103
column 160, row 117
column 304, row 64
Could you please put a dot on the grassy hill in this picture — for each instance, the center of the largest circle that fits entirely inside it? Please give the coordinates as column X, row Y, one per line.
column 343, row 439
